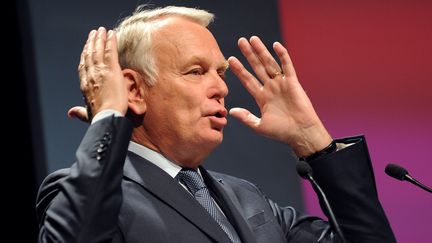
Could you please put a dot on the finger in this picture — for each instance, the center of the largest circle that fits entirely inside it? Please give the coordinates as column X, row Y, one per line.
column 111, row 54
column 82, row 72
column 252, row 85
column 99, row 46
column 78, row 112
column 88, row 55
column 83, row 65
column 253, row 60
column 271, row 66
column 246, row 117
column 287, row 65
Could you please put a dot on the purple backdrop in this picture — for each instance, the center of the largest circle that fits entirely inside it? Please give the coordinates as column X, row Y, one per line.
column 367, row 68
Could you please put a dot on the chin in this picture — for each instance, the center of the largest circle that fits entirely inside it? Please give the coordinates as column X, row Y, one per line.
column 214, row 140
column 218, row 136
column 208, row 138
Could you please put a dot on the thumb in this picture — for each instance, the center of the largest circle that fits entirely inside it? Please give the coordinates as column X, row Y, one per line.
column 78, row 112
column 246, row 117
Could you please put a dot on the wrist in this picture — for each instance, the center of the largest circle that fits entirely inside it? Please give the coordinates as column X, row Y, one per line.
column 311, row 141
column 105, row 113
column 330, row 148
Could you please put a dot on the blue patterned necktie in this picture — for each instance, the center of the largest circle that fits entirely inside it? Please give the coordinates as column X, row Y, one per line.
column 194, row 182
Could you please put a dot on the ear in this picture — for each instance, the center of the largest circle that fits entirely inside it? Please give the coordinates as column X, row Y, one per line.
column 136, row 91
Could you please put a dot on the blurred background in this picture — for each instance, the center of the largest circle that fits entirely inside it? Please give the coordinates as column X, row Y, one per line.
column 366, row 65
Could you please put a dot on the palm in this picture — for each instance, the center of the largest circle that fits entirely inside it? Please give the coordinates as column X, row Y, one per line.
column 287, row 114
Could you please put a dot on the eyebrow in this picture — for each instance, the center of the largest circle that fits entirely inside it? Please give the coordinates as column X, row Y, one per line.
column 225, row 65
column 195, row 59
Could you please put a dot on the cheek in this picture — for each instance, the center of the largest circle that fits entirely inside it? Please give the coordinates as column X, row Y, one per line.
column 193, row 98
column 190, row 106
column 181, row 102
column 179, row 115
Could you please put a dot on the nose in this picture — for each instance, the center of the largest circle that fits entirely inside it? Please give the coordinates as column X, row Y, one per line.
column 219, row 87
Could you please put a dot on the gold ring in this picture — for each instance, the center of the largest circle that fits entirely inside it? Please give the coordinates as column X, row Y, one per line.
column 276, row 74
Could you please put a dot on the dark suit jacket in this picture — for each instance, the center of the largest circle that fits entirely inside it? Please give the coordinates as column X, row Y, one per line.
column 112, row 195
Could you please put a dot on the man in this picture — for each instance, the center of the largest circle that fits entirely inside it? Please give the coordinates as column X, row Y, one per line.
column 155, row 92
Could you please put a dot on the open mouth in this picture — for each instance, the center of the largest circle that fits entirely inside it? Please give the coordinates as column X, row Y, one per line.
column 218, row 119
column 219, row 115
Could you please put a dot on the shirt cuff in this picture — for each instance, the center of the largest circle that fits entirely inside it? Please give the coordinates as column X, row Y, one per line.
column 105, row 113
column 340, row 146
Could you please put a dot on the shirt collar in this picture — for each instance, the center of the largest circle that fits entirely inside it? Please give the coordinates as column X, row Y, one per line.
column 156, row 158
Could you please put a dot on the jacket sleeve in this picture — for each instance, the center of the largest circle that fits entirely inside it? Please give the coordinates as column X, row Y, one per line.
column 81, row 204
column 347, row 179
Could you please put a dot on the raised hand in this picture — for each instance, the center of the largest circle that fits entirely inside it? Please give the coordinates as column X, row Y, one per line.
column 287, row 114
column 102, row 82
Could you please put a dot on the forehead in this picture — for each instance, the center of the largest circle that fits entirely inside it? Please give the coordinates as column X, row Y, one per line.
column 182, row 38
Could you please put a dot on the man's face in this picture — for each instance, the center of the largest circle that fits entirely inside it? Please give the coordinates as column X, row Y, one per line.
column 185, row 113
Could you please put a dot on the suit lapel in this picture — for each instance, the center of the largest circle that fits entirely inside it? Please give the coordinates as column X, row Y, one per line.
column 229, row 204
column 169, row 191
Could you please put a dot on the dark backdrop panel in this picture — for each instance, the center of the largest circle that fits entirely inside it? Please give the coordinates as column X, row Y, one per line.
column 21, row 127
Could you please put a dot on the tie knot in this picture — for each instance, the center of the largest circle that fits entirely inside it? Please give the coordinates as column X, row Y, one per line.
column 191, row 179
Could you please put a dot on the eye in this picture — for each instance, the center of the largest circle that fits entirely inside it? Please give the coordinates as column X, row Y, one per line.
column 196, row 71
column 222, row 75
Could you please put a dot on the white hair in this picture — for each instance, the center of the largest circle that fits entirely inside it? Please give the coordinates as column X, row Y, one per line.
column 134, row 36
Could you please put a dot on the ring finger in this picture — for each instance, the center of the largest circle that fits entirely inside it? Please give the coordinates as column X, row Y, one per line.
column 272, row 68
